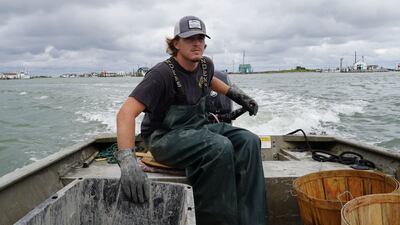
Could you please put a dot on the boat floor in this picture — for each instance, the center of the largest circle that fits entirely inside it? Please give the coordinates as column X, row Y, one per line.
column 272, row 169
column 293, row 164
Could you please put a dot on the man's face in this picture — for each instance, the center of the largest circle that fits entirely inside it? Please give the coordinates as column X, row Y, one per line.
column 191, row 48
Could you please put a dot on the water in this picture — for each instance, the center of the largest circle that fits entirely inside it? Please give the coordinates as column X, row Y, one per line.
column 40, row 116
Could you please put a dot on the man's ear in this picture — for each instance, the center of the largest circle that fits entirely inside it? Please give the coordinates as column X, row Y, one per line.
column 175, row 43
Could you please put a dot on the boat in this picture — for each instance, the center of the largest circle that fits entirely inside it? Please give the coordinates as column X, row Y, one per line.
column 56, row 181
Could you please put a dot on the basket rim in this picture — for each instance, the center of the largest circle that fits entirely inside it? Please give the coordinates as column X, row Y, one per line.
column 365, row 200
column 328, row 173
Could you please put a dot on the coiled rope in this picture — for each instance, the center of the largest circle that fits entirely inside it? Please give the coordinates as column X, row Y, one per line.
column 355, row 160
column 108, row 154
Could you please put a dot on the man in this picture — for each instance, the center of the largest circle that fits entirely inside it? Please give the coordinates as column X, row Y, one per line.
column 222, row 162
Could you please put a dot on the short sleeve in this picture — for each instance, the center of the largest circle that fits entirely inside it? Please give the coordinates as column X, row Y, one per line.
column 150, row 91
column 210, row 69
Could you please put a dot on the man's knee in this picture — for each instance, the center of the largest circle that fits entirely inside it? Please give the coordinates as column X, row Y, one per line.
column 249, row 137
column 220, row 146
column 253, row 137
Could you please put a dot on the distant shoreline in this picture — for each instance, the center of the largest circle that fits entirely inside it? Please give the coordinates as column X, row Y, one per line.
column 301, row 70
column 282, row 71
column 310, row 71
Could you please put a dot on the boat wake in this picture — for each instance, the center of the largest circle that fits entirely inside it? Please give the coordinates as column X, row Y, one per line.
column 281, row 112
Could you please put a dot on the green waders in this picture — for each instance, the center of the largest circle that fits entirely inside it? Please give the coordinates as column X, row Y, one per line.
column 222, row 162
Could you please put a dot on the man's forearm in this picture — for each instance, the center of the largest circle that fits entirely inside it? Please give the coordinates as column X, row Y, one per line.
column 126, row 122
column 125, row 131
column 219, row 86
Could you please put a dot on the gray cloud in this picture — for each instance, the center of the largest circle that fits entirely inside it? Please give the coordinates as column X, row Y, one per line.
column 50, row 36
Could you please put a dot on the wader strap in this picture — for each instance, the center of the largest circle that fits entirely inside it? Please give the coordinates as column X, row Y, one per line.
column 177, row 81
column 181, row 93
column 203, row 81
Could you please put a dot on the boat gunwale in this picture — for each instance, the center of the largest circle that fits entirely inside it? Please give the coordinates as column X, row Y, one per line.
column 340, row 140
column 21, row 173
column 368, row 147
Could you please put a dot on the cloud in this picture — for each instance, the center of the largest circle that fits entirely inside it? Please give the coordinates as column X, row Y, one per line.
column 60, row 36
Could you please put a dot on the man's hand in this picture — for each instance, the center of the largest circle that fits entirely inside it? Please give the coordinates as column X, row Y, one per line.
column 134, row 181
column 242, row 99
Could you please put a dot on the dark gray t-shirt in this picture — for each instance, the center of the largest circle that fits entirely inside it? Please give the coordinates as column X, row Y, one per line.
column 158, row 91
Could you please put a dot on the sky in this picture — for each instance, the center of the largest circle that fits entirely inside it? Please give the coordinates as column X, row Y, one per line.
column 52, row 37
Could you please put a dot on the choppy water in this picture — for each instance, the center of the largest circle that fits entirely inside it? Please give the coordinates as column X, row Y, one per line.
column 39, row 117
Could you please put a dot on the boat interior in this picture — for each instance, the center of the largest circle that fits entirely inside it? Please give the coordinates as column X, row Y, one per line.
column 285, row 158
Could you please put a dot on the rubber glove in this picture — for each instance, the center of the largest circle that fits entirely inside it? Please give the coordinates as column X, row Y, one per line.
column 134, row 181
column 242, row 99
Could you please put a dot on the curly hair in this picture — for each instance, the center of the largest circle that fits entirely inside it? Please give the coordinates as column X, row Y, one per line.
column 171, row 50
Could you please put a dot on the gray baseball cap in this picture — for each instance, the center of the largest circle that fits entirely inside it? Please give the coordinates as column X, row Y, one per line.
column 189, row 26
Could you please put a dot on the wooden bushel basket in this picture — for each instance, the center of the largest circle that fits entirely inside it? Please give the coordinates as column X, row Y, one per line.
column 378, row 209
column 321, row 195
